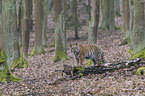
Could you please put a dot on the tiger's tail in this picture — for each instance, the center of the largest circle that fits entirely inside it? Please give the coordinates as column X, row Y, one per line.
column 102, row 56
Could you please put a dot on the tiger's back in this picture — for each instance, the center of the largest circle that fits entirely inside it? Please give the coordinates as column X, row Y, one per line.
column 87, row 51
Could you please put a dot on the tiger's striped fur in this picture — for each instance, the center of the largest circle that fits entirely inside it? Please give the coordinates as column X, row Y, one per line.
column 88, row 51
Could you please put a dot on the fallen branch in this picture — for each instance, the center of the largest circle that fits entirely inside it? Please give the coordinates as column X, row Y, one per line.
column 77, row 72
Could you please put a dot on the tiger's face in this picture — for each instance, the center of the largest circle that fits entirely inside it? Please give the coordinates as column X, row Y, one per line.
column 75, row 50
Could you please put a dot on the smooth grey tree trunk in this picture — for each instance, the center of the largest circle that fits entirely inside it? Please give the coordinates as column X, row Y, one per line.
column 112, row 18
column 117, row 8
column 131, row 24
column 45, row 26
column 59, row 49
column 38, row 26
column 0, row 22
column 26, row 29
column 64, row 27
column 92, row 38
column 126, row 15
column 138, row 27
column 15, row 33
column 75, row 19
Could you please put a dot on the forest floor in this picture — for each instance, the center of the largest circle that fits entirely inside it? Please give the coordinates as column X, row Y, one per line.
column 40, row 74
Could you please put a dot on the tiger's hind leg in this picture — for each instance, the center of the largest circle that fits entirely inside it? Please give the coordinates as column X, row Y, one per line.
column 94, row 62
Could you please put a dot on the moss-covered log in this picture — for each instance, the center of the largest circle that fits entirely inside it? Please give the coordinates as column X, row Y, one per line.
column 75, row 71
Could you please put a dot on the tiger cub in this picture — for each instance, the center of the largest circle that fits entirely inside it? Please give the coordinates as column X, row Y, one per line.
column 87, row 51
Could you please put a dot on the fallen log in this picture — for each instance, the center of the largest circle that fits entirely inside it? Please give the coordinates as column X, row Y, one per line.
column 75, row 71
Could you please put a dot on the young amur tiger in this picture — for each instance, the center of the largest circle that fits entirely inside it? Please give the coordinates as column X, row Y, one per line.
column 87, row 51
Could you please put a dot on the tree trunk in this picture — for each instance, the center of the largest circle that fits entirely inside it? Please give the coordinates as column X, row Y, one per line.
column 106, row 14
column 45, row 19
column 31, row 15
column 112, row 19
column 89, row 9
column 7, row 6
column 0, row 23
column 64, row 27
column 117, row 8
column 26, row 29
column 92, row 38
column 38, row 26
column 20, row 17
column 126, row 15
column 138, row 27
column 108, row 20
column 75, row 19
column 59, row 50
column 15, row 33
column 131, row 25
column 38, row 48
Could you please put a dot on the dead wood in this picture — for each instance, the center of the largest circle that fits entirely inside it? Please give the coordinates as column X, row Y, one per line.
column 74, row 71
column 110, row 67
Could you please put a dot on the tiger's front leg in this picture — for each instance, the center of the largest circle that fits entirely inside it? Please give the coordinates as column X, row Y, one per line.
column 81, row 60
column 77, row 61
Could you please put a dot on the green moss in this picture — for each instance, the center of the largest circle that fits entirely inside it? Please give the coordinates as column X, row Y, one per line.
column 34, row 52
column 2, row 57
column 128, row 39
column 118, row 15
column 130, row 51
column 80, row 69
column 42, row 51
column 20, row 62
column 118, row 28
column 80, row 74
column 140, row 54
column 45, row 46
column 60, row 55
column 89, row 63
column 138, row 72
column 6, row 75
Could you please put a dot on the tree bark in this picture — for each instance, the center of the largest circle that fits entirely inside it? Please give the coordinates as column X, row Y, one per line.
column 64, row 27
column 75, row 19
column 31, row 15
column 45, row 26
column 7, row 17
column 89, row 9
column 138, row 27
column 92, row 38
column 38, row 48
column 38, row 26
column 131, row 25
column 117, row 8
column 20, row 20
column 0, row 23
column 112, row 18
column 26, row 29
column 59, row 49
column 15, row 33
column 126, row 15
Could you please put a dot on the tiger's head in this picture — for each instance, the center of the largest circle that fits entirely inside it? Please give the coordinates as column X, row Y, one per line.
column 75, row 50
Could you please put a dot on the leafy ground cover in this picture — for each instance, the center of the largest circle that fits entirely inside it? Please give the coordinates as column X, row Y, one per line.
column 39, row 75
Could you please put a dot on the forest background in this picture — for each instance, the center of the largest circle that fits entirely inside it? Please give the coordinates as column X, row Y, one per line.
column 35, row 37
